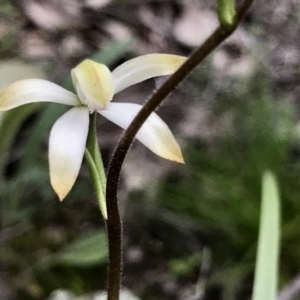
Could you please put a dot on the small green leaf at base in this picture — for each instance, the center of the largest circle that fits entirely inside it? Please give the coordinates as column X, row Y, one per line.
column 85, row 251
column 266, row 270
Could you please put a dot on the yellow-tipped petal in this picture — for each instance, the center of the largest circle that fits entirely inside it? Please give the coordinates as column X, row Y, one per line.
column 35, row 90
column 94, row 84
column 154, row 133
column 145, row 67
column 66, row 149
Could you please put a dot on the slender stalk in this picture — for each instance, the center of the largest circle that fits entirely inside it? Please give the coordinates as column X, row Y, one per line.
column 114, row 231
column 114, row 224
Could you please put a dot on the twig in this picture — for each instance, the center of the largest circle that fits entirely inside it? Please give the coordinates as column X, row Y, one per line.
column 114, row 224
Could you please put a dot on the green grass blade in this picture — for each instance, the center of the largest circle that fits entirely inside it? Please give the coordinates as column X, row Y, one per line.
column 266, row 270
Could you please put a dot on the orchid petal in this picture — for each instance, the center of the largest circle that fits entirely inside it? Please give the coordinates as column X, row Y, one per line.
column 154, row 133
column 66, row 149
column 94, row 84
column 35, row 90
column 145, row 67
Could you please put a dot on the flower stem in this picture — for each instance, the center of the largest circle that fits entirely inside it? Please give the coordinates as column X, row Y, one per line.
column 114, row 230
column 114, row 225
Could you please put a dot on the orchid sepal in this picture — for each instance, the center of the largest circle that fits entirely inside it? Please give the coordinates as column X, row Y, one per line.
column 66, row 149
column 145, row 67
column 154, row 133
column 35, row 90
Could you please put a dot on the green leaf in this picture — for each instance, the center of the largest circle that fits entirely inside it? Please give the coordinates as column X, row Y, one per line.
column 226, row 12
column 10, row 123
column 95, row 165
column 185, row 266
column 266, row 270
column 85, row 251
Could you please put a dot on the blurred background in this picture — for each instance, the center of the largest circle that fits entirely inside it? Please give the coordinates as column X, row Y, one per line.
column 187, row 228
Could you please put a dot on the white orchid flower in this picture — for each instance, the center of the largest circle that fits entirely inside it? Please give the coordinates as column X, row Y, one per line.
column 95, row 86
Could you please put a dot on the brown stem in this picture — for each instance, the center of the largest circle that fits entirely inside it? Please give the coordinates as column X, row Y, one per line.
column 114, row 224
